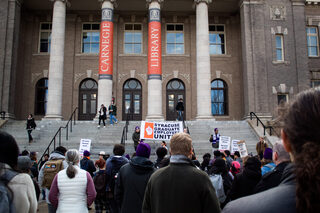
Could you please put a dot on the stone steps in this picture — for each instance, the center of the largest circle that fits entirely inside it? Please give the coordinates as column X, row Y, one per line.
column 103, row 139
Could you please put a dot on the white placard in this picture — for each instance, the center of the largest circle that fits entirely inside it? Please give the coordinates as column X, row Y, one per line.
column 234, row 146
column 224, row 143
column 242, row 148
column 85, row 144
column 159, row 130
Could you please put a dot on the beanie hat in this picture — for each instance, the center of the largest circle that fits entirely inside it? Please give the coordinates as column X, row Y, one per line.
column 143, row 150
column 267, row 154
column 86, row 153
column 24, row 163
column 137, row 127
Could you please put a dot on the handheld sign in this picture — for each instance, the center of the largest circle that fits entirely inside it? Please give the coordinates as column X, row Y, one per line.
column 159, row 130
column 224, row 143
column 85, row 144
column 242, row 148
column 234, row 146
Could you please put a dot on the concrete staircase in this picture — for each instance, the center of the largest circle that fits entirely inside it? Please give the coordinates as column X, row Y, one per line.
column 103, row 139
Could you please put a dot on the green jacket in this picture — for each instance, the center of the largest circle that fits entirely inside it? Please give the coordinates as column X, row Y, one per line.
column 180, row 188
column 112, row 110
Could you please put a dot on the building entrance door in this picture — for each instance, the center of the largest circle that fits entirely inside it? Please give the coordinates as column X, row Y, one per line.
column 132, row 100
column 88, row 99
column 175, row 91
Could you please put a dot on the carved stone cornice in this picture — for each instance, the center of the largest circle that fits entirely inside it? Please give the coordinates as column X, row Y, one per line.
column 205, row 1
column 159, row 1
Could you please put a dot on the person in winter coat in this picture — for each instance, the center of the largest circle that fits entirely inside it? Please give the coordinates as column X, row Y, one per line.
column 220, row 168
column 205, row 163
column 113, row 113
column 72, row 189
column 20, row 185
column 245, row 182
column 87, row 164
column 57, row 154
column 114, row 164
column 31, row 125
column 132, row 180
column 180, row 187
column 180, row 109
column 161, row 153
column 260, row 147
column 102, row 115
column 267, row 164
column 272, row 179
column 136, row 137
column 99, row 180
column 299, row 187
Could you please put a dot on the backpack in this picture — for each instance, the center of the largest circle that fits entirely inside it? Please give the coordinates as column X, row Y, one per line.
column 217, row 183
column 100, row 182
column 6, row 204
column 111, row 179
column 51, row 168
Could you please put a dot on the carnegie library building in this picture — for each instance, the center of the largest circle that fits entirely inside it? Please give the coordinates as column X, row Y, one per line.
column 224, row 58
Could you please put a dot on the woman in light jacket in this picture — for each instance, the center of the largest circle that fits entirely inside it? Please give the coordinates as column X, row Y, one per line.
column 72, row 189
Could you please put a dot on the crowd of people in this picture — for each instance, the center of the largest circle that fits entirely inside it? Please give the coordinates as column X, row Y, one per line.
column 283, row 177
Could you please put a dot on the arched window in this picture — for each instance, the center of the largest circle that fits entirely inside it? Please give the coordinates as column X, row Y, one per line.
column 219, row 97
column 41, row 97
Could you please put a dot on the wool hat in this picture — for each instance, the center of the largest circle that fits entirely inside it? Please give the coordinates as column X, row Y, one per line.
column 86, row 153
column 143, row 150
column 267, row 154
column 24, row 163
column 215, row 129
column 137, row 127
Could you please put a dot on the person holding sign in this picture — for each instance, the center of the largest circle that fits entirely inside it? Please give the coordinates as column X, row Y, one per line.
column 214, row 139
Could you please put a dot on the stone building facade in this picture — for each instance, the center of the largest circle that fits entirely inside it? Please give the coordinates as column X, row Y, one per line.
column 225, row 58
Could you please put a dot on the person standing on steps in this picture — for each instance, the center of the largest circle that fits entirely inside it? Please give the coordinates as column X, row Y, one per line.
column 136, row 137
column 214, row 139
column 180, row 109
column 102, row 115
column 31, row 125
column 113, row 113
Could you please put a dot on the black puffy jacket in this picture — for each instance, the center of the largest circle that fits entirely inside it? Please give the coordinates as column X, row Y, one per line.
column 131, row 184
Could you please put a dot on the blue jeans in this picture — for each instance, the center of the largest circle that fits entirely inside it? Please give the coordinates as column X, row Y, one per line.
column 180, row 115
column 112, row 117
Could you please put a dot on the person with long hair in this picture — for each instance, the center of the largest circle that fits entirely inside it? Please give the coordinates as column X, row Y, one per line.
column 22, row 192
column 300, row 186
column 72, row 189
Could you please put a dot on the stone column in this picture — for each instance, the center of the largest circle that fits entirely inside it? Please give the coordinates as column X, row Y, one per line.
column 10, row 12
column 154, row 62
column 54, row 106
column 203, row 61
column 106, row 54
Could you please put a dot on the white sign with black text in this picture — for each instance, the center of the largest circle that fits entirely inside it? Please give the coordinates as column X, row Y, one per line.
column 85, row 144
column 224, row 143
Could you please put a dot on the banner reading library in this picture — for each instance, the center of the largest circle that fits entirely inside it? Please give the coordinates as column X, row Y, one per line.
column 159, row 130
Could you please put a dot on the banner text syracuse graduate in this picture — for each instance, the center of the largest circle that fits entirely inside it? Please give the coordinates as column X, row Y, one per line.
column 159, row 130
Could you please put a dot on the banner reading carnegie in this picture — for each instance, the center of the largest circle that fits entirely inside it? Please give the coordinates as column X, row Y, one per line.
column 159, row 130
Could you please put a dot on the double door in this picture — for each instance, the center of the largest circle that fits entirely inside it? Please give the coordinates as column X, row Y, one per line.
column 87, row 105
column 132, row 105
column 172, row 101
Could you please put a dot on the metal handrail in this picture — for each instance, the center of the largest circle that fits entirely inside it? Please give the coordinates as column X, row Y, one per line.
column 58, row 133
column 124, row 135
column 185, row 126
column 264, row 126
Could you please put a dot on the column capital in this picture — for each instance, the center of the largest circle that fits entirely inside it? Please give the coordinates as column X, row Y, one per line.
column 64, row 1
column 112, row 1
column 205, row 1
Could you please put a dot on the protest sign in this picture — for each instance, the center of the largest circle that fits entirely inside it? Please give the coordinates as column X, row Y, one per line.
column 224, row 143
column 85, row 144
column 234, row 146
column 243, row 148
column 159, row 130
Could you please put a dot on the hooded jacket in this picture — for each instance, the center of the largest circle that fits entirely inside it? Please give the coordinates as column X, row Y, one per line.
column 278, row 199
column 131, row 184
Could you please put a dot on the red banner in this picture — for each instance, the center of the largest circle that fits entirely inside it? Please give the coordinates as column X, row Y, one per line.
column 154, row 53
column 106, row 48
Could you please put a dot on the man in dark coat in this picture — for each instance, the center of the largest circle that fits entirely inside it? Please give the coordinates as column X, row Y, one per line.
column 132, row 180
column 102, row 115
column 136, row 137
column 87, row 164
column 272, row 179
column 180, row 187
column 180, row 109
column 245, row 182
